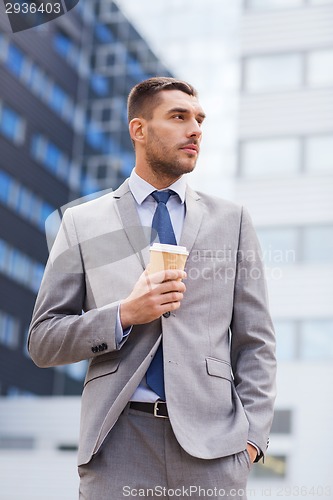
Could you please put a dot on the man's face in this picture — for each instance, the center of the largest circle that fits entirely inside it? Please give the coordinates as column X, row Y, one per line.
column 174, row 134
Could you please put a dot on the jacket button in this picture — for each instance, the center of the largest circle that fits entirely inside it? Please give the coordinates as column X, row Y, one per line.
column 105, row 346
column 167, row 314
column 94, row 349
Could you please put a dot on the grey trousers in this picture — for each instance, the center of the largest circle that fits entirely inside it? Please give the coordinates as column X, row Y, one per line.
column 142, row 458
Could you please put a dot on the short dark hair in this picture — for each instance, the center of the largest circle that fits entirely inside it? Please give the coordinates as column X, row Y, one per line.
column 144, row 97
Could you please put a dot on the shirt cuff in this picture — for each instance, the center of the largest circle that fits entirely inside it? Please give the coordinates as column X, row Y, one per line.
column 259, row 452
column 120, row 334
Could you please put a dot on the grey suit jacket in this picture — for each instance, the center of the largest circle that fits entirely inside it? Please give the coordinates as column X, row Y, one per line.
column 218, row 346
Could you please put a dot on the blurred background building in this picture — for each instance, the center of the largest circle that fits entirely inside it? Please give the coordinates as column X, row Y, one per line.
column 63, row 134
column 264, row 71
column 285, row 178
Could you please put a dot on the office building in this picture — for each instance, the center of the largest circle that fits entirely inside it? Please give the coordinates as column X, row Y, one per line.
column 63, row 135
column 285, row 178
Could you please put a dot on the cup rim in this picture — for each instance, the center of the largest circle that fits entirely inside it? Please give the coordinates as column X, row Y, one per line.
column 164, row 247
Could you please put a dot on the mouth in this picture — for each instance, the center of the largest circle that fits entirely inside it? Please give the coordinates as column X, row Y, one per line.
column 191, row 149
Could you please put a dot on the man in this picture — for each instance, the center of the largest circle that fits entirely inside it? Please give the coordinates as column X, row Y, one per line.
column 98, row 301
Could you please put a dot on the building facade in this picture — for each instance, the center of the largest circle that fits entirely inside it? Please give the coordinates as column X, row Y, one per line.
column 63, row 135
column 285, row 178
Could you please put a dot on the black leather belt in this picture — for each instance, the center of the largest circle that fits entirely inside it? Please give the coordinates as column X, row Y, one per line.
column 158, row 409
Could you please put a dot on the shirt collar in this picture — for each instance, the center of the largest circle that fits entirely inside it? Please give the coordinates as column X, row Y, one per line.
column 141, row 189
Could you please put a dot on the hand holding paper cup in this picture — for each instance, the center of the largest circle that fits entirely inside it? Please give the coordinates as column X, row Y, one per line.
column 163, row 257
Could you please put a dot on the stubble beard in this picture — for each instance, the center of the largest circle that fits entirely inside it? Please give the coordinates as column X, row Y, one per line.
column 165, row 164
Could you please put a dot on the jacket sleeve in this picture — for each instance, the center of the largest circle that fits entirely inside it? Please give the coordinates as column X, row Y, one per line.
column 61, row 331
column 252, row 338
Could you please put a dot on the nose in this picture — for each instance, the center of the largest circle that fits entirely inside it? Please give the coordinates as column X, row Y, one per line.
column 194, row 130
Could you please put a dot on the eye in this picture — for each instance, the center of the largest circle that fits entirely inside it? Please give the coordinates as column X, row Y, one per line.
column 178, row 117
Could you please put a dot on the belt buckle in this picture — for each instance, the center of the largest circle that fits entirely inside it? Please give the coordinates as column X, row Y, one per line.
column 156, row 409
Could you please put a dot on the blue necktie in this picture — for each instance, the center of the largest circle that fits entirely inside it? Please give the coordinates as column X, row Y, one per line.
column 161, row 221
column 163, row 227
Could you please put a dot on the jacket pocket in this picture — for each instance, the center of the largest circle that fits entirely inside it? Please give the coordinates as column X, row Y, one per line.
column 218, row 368
column 101, row 368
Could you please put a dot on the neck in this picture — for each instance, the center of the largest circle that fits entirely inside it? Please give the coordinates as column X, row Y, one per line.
column 157, row 181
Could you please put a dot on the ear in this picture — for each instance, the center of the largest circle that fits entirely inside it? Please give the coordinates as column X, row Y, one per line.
column 137, row 129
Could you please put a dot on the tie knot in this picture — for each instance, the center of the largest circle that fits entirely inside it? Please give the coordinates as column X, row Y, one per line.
column 162, row 196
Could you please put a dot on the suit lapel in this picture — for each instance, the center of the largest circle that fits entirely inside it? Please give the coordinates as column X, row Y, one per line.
column 138, row 236
column 193, row 219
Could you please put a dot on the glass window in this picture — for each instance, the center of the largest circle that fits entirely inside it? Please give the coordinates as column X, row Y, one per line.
column 3, row 255
column 279, row 246
column 14, row 195
column 318, row 244
column 37, row 80
column 270, row 157
column 94, row 136
column 26, row 203
column 317, row 340
column 134, row 68
column 23, row 201
column 11, row 124
column 270, row 73
column 36, row 208
column 319, row 154
column 38, row 147
column 9, row 330
column 68, row 111
column 52, row 157
column 15, row 60
column 286, row 340
column 49, row 155
column 99, row 84
column 57, row 98
column 18, row 266
column 103, row 33
column 273, row 4
column 320, row 68
column 16, row 442
column 62, row 44
column 282, row 422
column 5, row 183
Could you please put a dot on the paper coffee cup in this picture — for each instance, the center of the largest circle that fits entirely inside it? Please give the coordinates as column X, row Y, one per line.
column 163, row 257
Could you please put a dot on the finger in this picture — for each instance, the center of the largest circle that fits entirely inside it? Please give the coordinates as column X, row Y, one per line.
column 170, row 286
column 170, row 306
column 174, row 274
column 169, row 298
column 167, row 275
